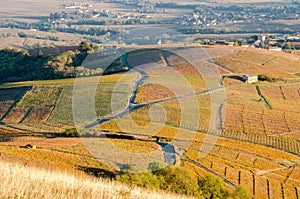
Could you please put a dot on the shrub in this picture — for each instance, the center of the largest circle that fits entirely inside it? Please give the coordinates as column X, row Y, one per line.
column 71, row 133
column 147, row 180
column 178, row 180
column 241, row 192
column 182, row 181
column 212, row 187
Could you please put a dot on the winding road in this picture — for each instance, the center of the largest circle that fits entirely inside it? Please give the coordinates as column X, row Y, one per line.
column 169, row 151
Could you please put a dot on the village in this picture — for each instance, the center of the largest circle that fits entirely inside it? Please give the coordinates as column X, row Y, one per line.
column 207, row 16
column 273, row 42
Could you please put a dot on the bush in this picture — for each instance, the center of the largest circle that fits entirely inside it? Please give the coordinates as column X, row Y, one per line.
column 71, row 133
column 212, row 187
column 182, row 181
column 241, row 192
column 147, row 180
column 158, row 168
column 268, row 79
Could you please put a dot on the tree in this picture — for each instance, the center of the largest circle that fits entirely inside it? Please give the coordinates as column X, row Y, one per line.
column 182, row 181
column 212, row 187
column 236, row 43
column 40, row 53
column 147, row 180
column 158, row 168
column 241, row 192
column 254, row 37
column 85, row 48
column 262, row 44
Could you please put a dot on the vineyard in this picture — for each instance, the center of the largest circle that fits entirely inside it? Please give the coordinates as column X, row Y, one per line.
column 251, row 61
column 257, row 142
column 263, row 170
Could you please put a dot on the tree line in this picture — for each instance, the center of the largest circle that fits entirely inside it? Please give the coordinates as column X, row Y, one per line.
column 181, row 181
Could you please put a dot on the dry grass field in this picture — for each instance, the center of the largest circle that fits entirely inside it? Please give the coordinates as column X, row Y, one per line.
column 32, row 182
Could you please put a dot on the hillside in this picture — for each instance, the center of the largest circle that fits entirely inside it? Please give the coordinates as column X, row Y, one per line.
column 21, row 181
column 45, row 63
column 253, row 140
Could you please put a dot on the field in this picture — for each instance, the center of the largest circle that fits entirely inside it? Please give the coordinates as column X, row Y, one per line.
column 16, row 115
column 40, row 96
column 4, row 107
column 252, row 134
column 247, row 112
column 198, row 113
column 120, row 78
column 13, row 93
column 253, row 61
column 39, row 114
column 40, row 101
column 251, row 165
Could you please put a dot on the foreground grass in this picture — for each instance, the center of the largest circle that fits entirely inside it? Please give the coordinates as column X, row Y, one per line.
column 24, row 182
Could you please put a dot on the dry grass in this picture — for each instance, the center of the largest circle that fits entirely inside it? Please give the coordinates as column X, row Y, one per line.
column 28, row 182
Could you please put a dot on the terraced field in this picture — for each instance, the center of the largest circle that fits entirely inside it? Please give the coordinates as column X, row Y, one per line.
column 262, row 170
column 8, row 97
column 253, row 61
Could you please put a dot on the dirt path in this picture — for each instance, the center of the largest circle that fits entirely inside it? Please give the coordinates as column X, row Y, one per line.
column 169, row 152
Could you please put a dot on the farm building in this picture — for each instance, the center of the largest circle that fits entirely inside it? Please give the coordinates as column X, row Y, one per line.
column 249, row 79
column 275, row 49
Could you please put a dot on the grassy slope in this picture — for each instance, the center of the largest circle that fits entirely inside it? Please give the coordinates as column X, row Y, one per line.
column 21, row 181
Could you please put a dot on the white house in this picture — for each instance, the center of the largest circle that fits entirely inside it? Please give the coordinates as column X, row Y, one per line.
column 249, row 79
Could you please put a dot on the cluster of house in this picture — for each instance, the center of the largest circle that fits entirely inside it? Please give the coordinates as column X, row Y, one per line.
column 197, row 20
column 86, row 8
column 243, row 13
column 78, row 6
column 110, row 14
column 273, row 42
